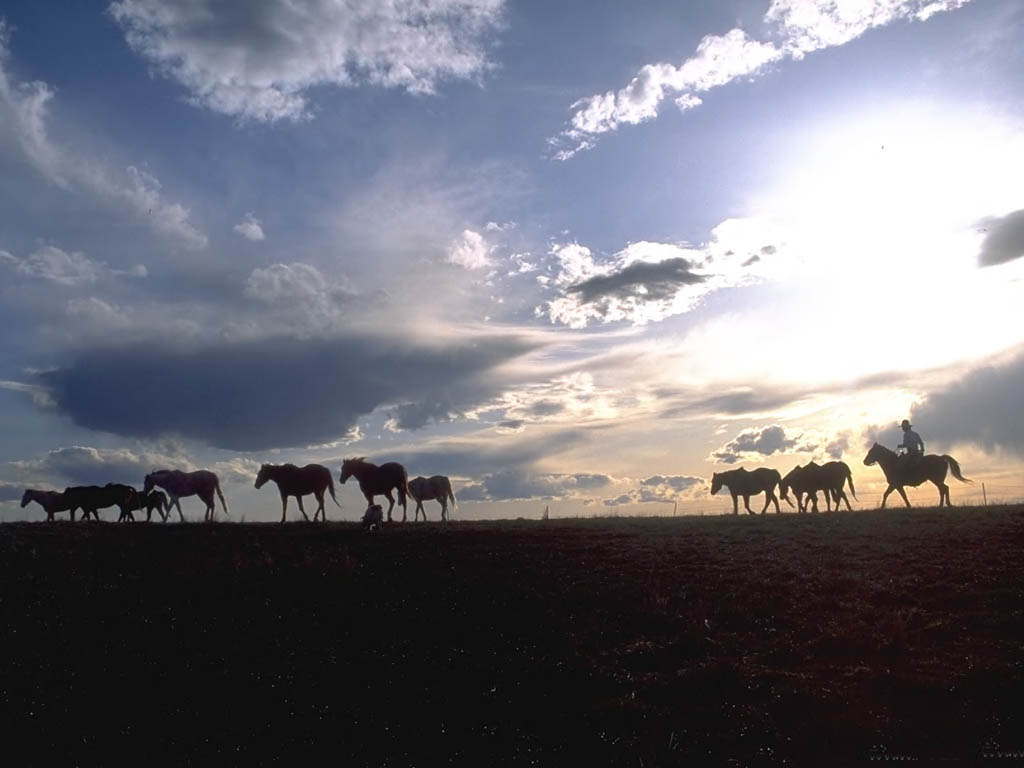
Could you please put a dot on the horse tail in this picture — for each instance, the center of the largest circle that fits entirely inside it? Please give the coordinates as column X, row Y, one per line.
column 330, row 487
column 849, row 479
column 403, row 487
column 216, row 486
column 955, row 469
column 451, row 493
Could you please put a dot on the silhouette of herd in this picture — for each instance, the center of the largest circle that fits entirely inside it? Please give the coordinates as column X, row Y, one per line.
column 806, row 482
column 291, row 480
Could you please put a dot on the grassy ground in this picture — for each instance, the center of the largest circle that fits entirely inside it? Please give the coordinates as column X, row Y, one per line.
column 807, row 640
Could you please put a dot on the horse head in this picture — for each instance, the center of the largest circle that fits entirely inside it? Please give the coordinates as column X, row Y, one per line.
column 716, row 483
column 263, row 475
column 26, row 498
column 147, row 485
column 873, row 455
column 349, row 467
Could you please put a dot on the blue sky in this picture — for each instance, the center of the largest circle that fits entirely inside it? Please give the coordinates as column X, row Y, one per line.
column 579, row 255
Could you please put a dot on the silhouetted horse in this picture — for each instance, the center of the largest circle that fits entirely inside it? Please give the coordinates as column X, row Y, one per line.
column 92, row 498
column 811, row 478
column 201, row 483
column 51, row 502
column 437, row 487
column 740, row 482
column 898, row 472
column 378, row 481
column 149, row 501
column 131, row 501
column 299, row 481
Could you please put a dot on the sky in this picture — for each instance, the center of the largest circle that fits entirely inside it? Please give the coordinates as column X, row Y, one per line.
column 573, row 255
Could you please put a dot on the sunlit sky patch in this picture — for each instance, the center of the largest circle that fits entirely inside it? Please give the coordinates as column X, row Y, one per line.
column 572, row 256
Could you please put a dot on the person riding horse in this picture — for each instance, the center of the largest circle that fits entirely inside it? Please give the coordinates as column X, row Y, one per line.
column 912, row 447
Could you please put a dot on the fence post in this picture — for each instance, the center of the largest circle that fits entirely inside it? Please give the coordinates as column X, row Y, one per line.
column 984, row 497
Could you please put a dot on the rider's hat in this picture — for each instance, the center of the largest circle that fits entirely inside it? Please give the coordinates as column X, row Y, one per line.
column 905, row 424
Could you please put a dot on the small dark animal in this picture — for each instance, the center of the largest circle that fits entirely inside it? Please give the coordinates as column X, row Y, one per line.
column 740, row 482
column 373, row 517
column 378, row 481
column 299, row 481
column 899, row 472
column 201, row 483
column 51, row 502
column 437, row 487
column 154, row 500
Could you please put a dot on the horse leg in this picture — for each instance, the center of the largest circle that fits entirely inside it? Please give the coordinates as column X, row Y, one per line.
column 391, row 505
column 444, row 509
column 735, row 504
column 298, row 498
column 176, row 502
column 284, row 506
column 943, row 494
column 320, row 505
column 885, row 495
column 903, row 493
column 767, row 501
column 746, row 503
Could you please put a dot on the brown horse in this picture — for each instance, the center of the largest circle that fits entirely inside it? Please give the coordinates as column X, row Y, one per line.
column 899, row 472
column 51, row 502
column 811, row 478
column 378, row 481
column 201, row 483
column 437, row 487
column 154, row 500
column 92, row 498
column 740, row 482
column 298, row 482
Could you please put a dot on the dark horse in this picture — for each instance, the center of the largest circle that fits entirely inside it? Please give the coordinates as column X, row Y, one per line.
column 740, row 482
column 154, row 500
column 51, row 502
column 299, row 481
column 899, row 473
column 378, row 481
column 201, row 483
column 92, row 498
column 437, row 487
column 811, row 478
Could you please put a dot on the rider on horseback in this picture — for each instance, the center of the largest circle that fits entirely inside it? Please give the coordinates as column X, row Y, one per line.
column 912, row 447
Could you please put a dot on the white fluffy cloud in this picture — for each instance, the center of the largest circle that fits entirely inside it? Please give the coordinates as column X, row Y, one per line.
column 250, row 228
column 647, row 282
column 660, row 489
column 470, row 250
column 756, row 443
column 258, row 60
column 798, row 27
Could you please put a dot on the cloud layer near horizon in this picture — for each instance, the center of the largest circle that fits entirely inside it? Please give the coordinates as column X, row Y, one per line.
column 272, row 392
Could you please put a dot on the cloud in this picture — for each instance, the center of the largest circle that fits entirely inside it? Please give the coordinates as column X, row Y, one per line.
column 11, row 491
column 258, row 61
column 647, row 282
column 758, row 442
column 64, row 268
column 798, row 27
column 659, row 489
column 24, row 107
column 470, row 250
column 981, row 408
column 519, row 484
column 85, row 465
column 271, row 392
column 250, row 228
column 1004, row 241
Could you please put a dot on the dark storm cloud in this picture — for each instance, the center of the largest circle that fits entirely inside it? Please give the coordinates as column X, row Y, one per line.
column 273, row 392
column 983, row 408
column 1004, row 241
column 651, row 281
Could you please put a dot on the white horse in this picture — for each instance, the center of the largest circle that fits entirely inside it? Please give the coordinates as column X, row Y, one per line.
column 437, row 487
column 201, row 483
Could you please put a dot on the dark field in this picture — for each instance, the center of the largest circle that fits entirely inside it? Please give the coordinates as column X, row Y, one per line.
column 834, row 639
